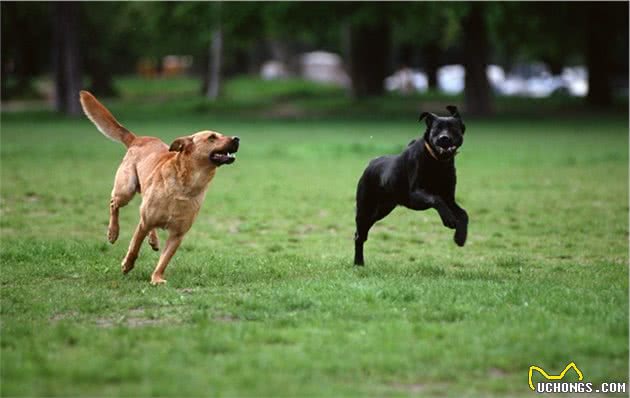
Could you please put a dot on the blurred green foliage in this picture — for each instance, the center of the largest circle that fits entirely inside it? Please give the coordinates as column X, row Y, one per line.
column 123, row 31
column 114, row 36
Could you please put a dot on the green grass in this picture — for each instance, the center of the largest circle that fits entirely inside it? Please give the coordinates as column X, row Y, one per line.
column 262, row 299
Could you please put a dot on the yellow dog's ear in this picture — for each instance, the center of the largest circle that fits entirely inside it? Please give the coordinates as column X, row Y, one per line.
column 182, row 144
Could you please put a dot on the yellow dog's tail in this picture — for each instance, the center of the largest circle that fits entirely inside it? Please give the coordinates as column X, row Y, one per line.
column 104, row 120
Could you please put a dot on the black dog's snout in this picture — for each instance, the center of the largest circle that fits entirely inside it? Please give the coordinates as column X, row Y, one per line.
column 444, row 141
column 236, row 139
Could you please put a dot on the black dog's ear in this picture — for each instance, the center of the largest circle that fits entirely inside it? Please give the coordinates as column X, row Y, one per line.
column 430, row 117
column 181, row 144
column 453, row 110
column 455, row 113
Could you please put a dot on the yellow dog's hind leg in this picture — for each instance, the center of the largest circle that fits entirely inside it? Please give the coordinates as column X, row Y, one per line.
column 125, row 187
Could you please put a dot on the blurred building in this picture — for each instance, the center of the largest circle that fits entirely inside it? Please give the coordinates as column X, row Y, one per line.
column 176, row 65
column 170, row 65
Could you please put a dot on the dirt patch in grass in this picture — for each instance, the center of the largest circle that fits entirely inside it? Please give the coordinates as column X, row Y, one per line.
column 132, row 322
column 134, row 318
column 303, row 230
column 63, row 315
column 496, row 373
column 283, row 111
column 413, row 388
column 420, row 389
column 226, row 318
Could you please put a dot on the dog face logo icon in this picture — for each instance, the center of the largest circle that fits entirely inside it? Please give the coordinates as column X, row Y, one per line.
column 553, row 377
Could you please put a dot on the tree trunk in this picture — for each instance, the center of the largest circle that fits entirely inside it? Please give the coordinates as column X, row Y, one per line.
column 431, row 54
column 204, row 71
column 369, row 57
column 255, row 57
column 476, row 50
column 214, row 64
column 102, row 80
column 598, row 56
column 4, row 80
column 20, row 47
column 555, row 66
column 66, row 58
column 57, row 62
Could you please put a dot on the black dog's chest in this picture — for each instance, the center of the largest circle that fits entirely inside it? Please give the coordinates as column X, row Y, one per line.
column 435, row 183
column 431, row 176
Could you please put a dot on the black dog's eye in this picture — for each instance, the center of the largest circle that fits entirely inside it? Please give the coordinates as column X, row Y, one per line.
column 212, row 137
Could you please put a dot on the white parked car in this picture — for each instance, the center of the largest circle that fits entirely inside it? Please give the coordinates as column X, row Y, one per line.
column 535, row 80
column 451, row 79
column 406, row 81
column 325, row 67
column 272, row 69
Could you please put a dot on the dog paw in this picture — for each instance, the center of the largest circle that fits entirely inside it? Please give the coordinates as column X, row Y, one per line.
column 127, row 265
column 157, row 280
column 154, row 241
column 112, row 234
column 460, row 237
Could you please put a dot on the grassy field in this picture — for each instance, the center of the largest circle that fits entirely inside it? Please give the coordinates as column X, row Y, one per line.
column 262, row 299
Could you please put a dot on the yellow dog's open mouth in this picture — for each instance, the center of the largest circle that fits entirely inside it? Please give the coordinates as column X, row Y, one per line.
column 225, row 155
column 222, row 157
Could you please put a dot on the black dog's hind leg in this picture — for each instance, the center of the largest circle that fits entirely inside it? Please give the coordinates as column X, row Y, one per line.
column 359, row 239
column 364, row 209
column 461, row 227
column 363, row 223
column 367, row 215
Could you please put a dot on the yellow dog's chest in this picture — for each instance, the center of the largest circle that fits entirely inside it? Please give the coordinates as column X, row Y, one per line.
column 172, row 212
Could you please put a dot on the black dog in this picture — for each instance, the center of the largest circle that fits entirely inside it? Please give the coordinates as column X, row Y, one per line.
column 422, row 176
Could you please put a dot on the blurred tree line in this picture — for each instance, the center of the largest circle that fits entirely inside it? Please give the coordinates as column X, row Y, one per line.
column 79, row 42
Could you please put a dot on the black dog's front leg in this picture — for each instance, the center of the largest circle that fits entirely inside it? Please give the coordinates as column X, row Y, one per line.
column 461, row 228
column 422, row 200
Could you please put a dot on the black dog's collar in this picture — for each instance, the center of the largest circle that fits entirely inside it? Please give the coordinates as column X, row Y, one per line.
column 434, row 156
